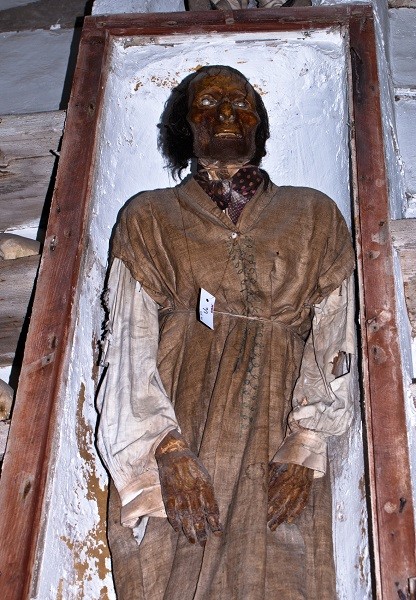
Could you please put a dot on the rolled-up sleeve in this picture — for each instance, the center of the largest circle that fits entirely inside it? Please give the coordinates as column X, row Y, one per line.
column 135, row 412
column 323, row 400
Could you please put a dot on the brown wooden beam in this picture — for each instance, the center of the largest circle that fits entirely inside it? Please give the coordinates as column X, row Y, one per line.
column 388, row 451
column 28, row 452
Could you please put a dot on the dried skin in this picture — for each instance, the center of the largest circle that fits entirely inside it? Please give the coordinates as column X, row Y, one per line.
column 289, row 488
column 223, row 116
column 187, row 490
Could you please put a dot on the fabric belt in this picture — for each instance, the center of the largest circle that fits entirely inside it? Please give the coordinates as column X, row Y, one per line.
column 167, row 311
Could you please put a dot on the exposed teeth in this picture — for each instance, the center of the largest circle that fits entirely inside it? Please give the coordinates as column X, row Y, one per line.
column 228, row 134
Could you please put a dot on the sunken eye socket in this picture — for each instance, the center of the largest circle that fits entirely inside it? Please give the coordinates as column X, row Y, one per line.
column 209, row 101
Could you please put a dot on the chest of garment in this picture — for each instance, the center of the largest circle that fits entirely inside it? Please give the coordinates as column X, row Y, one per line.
column 284, row 253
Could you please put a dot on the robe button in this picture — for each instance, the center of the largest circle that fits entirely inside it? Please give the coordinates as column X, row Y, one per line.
column 234, row 235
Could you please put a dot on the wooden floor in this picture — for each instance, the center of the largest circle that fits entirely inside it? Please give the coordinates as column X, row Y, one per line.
column 28, row 158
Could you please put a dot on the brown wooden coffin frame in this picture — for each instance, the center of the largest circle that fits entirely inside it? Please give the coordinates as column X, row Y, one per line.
column 45, row 364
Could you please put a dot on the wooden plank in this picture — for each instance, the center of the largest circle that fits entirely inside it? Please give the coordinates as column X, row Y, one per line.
column 228, row 21
column 402, row 3
column 388, row 453
column 199, row 5
column 408, row 265
column 403, row 234
column 405, row 114
column 29, row 135
column 16, row 285
column 23, row 189
column 26, row 165
column 26, row 16
column 4, row 433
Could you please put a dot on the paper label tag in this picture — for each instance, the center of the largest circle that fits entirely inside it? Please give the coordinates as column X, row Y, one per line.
column 206, row 308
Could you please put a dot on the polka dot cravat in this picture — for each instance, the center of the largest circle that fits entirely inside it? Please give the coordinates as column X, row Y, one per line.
column 232, row 194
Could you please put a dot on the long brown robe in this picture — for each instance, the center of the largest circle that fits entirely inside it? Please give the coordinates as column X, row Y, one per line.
column 231, row 387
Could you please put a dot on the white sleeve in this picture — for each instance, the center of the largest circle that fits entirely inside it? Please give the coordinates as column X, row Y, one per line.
column 323, row 400
column 135, row 411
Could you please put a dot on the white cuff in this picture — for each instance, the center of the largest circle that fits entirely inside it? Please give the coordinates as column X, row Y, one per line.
column 306, row 448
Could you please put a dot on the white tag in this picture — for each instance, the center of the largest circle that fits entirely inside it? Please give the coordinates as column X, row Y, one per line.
column 206, row 308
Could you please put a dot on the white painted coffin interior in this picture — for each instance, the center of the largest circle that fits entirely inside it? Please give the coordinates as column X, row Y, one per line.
column 302, row 78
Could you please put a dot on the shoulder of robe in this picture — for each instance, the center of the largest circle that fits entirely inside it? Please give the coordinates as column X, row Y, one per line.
column 310, row 199
column 307, row 195
column 139, row 214
column 150, row 200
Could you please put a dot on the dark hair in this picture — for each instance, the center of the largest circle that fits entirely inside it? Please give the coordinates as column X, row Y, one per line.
column 175, row 136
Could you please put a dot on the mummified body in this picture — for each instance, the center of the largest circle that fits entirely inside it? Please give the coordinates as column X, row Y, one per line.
column 224, row 430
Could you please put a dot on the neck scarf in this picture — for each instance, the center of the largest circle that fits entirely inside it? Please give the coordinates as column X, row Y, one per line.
column 231, row 195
